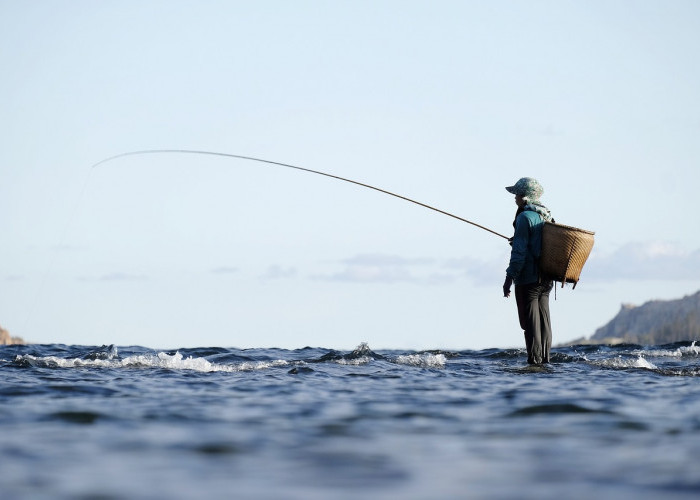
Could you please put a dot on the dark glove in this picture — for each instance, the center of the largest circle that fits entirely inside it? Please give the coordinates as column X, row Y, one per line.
column 506, row 286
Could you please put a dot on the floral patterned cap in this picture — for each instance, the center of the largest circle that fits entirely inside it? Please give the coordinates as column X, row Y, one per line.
column 527, row 187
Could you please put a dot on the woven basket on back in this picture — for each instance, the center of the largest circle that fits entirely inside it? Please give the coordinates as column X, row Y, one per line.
column 564, row 252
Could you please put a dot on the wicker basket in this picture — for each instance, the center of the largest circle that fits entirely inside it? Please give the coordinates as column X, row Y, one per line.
column 564, row 252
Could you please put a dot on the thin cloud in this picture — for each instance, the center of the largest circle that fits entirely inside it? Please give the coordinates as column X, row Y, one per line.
column 68, row 248
column 276, row 272
column 115, row 277
column 385, row 260
column 651, row 260
column 480, row 272
column 118, row 276
column 389, row 269
column 224, row 270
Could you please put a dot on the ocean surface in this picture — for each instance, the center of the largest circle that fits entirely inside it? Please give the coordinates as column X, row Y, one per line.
column 316, row 423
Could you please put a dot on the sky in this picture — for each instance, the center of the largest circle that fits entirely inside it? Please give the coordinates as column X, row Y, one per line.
column 445, row 102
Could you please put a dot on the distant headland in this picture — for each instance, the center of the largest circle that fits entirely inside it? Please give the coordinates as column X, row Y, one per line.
column 7, row 339
column 653, row 323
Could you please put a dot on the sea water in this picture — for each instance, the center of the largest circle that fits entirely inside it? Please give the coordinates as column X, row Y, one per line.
column 316, row 423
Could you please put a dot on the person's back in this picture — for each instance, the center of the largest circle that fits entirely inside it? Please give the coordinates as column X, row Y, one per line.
column 527, row 246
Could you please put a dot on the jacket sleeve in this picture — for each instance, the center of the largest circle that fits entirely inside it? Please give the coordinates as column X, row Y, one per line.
column 519, row 250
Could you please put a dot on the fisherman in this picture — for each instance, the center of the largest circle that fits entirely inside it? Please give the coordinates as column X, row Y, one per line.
column 531, row 289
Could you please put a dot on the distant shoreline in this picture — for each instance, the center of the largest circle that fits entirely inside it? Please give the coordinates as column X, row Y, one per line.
column 7, row 339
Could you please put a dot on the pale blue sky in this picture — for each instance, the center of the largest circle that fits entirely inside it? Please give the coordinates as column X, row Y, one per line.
column 446, row 102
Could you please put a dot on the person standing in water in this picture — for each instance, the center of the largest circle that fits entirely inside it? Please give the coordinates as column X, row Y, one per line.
column 531, row 289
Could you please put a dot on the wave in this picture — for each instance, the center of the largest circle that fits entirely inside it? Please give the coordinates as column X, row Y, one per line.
column 669, row 351
column 363, row 355
column 111, row 359
column 676, row 359
column 422, row 360
column 108, row 357
column 679, row 359
column 620, row 362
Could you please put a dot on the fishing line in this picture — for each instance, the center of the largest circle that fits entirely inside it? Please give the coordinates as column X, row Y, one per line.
column 287, row 165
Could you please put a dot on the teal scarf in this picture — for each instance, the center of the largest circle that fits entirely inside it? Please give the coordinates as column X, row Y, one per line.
column 536, row 206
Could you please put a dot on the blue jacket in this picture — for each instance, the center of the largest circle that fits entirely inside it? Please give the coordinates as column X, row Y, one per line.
column 527, row 246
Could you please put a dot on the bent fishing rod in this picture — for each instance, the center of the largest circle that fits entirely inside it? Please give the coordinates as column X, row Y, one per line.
column 287, row 165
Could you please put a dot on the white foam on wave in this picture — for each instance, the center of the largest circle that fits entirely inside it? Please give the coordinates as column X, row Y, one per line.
column 620, row 362
column 659, row 353
column 425, row 360
column 159, row 360
column 362, row 360
column 691, row 350
column 56, row 362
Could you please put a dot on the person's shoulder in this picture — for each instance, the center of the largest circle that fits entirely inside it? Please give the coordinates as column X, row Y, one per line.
column 530, row 215
column 532, row 218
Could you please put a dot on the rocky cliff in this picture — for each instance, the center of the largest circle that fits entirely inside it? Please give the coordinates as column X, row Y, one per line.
column 655, row 322
column 6, row 338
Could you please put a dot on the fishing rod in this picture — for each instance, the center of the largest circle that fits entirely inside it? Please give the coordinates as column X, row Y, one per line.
column 287, row 165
